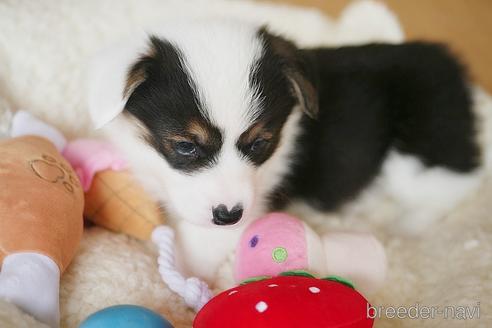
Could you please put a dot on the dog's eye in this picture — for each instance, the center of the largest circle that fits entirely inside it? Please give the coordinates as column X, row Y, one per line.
column 258, row 144
column 185, row 148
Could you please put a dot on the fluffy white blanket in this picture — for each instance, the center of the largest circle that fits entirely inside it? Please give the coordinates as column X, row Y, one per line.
column 44, row 50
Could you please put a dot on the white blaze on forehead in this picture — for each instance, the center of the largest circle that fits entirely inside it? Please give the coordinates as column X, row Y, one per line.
column 219, row 60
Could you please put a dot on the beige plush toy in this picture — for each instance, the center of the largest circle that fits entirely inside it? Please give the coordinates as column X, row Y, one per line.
column 41, row 205
column 113, row 199
column 41, row 201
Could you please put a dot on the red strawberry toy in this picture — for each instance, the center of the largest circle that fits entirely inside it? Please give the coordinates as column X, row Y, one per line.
column 292, row 300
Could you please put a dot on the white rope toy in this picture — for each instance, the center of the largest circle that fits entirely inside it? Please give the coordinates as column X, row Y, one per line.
column 194, row 291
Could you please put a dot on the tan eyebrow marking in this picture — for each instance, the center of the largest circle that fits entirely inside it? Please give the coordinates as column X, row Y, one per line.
column 170, row 140
column 255, row 132
column 193, row 132
column 178, row 138
column 196, row 129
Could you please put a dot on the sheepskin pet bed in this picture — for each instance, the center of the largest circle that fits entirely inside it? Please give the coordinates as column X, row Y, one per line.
column 44, row 50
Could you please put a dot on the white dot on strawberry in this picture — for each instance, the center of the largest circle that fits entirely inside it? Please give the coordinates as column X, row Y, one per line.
column 261, row 307
column 273, row 285
column 314, row 290
column 232, row 292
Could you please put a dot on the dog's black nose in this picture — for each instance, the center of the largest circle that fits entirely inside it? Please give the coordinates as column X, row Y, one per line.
column 222, row 216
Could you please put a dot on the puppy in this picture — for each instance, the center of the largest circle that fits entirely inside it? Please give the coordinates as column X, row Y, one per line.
column 224, row 121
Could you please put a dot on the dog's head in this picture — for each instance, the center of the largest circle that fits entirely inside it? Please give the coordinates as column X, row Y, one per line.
column 206, row 114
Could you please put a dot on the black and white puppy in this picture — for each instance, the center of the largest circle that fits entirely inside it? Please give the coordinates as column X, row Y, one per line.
column 223, row 121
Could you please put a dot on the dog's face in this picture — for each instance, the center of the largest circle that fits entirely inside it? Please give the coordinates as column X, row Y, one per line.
column 208, row 117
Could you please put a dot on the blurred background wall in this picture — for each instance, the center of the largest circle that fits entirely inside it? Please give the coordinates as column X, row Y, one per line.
column 466, row 25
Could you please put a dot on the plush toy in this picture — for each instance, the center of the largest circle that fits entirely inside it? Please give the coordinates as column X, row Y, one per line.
column 41, row 204
column 291, row 300
column 113, row 199
column 125, row 316
column 279, row 242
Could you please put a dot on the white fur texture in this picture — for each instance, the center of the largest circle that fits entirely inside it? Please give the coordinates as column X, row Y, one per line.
column 44, row 50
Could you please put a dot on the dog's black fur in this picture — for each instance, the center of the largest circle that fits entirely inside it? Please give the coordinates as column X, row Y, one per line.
column 412, row 98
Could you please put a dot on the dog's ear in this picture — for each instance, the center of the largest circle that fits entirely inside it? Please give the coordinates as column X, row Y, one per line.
column 112, row 78
column 298, row 68
column 306, row 92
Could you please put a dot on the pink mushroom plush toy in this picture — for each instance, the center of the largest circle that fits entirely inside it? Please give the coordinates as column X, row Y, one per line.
column 279, row 242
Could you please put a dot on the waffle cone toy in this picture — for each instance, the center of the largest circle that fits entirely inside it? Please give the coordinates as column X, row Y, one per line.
column 113, row 199
column 116, row 202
